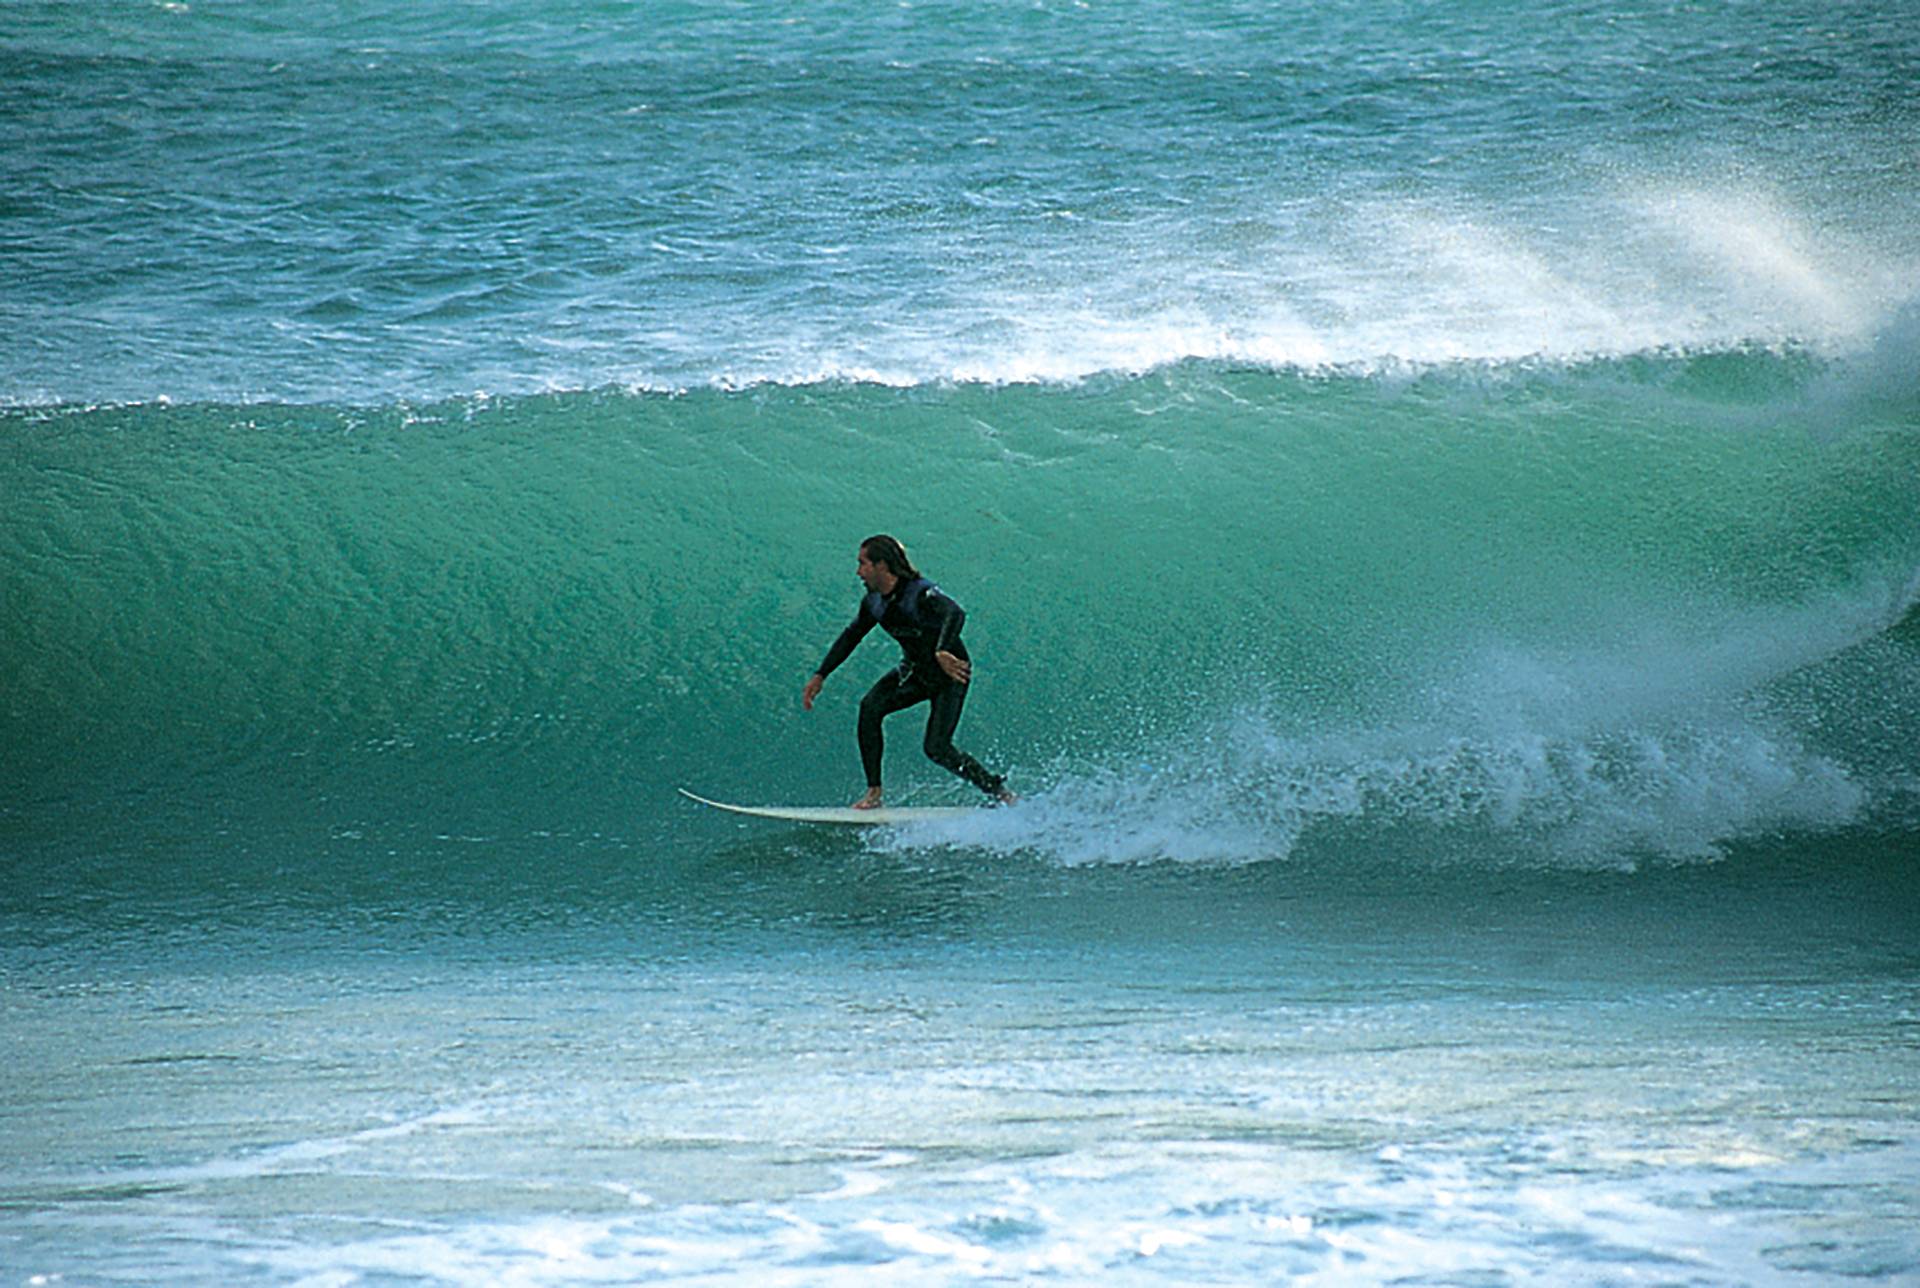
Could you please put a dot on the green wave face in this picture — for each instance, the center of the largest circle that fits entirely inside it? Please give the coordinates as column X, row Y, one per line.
column 1637, row 605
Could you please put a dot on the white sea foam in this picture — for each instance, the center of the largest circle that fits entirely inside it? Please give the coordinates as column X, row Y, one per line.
column 1199, row 1112
column 1378, row 285
column 1162, row 1211
column 1362, row 285
column 1661, row 742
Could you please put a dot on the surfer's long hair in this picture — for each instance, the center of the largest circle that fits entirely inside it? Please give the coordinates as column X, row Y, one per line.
column 891, row 555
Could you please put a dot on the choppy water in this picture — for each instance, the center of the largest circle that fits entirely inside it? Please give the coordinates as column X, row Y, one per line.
column 1437, row 496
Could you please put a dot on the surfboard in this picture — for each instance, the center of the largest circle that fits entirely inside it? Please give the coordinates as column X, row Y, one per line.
column 844, row 815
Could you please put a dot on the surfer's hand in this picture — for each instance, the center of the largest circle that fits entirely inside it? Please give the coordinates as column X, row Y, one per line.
column 958, row 669
column 812, row 691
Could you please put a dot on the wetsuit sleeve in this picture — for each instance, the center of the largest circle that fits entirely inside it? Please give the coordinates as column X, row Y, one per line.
column 862, row 623
column 946, row 616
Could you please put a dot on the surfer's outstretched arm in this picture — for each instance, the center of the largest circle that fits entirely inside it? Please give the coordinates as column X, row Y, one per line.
column 855, row 632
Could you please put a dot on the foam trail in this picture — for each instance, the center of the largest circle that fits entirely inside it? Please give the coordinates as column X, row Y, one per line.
column 1664, row 745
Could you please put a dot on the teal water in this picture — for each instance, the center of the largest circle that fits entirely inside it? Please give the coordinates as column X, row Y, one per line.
column 1437, row 498
column 364, row 202
column 1580, row 615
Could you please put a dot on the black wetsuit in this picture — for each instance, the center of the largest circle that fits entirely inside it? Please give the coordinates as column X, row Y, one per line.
column 925, row 621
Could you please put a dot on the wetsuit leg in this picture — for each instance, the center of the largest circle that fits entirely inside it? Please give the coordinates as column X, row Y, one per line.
column 892, row 693
column 948, row 700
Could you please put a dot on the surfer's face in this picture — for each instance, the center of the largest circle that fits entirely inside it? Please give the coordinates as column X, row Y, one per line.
column 873, row 576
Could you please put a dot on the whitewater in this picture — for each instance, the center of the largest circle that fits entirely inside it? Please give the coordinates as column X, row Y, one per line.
column 1436, row 496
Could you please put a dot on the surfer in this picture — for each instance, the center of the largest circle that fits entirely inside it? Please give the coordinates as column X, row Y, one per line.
column 935, row 667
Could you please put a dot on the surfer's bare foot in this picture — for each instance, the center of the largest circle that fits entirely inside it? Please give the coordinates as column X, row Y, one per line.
column 870, row 801
column 1005, row 797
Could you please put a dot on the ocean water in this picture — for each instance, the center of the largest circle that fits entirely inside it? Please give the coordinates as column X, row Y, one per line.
column 1436, row 490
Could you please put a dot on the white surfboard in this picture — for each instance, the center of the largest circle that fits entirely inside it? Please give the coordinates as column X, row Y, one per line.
column 844, row 815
